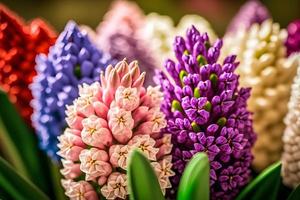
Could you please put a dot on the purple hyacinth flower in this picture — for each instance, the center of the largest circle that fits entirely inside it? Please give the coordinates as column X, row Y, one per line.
column 120, row 35
column 251, row 12
column 207, row 112
column 72, row 60
column 293, row 40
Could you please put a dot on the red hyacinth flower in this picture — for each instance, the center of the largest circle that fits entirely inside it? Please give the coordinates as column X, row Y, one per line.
column 19, row 45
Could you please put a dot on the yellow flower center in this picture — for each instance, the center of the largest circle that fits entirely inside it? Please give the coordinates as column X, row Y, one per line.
column 127, row 94
column 156, row 120
column 118, row 185
column 143, row 147
column 92, row 130
column 121, row 120
column 122, row 153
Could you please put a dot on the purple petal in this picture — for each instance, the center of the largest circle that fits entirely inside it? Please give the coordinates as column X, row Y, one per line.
column 215, row 100
column 213, row 174
column 226, row 106
column 198, row 147
column 182, row 136
column 224, row 186
column 225, row 158
column 209, row 140
column 186, row 155
column 203, row 117
column 215, row 165
column 211, row 129
column 185, row 103
column 214, row 149
column 221, row 140
column 191, row 113
column 201, row 102
column 237, row 146
column 226, row 149
column 223, row 178
column 202, row 138
column 193, row 136
column 194, row 102
column 238, row 138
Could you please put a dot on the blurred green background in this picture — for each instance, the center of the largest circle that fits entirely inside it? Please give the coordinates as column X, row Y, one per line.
column 90, row 12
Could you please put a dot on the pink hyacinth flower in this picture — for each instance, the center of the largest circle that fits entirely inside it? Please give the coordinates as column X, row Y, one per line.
column 106, row 122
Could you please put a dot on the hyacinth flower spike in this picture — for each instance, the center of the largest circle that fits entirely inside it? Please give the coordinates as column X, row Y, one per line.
column 265, row 67
column 207, row 112
column 119, row 35
column 105, row 123
column 72, row 60
column 291, row 137
column 19, row 44
column 160, row 30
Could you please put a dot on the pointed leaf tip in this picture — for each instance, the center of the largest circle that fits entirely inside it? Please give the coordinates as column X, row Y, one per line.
column 264, row 186
column 194, row 182
column 142, row 181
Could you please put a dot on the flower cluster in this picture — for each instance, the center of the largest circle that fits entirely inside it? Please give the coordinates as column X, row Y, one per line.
column 119, row 35
column 71, row 61
column 251, row 12
column 160, row 30
column 104, row 124
column 207, row 112
column 291, row 137
column 265, row 68
column 292, row 42
column 19, row 44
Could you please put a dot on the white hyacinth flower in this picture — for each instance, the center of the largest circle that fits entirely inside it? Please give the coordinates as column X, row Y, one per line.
column 265, row 68
column 291, row 138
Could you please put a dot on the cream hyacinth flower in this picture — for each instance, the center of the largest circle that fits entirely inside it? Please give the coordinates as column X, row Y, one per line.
column 160, row 30
column 265, row 68
column 291, row 139
column 235, row 44
column 106, row 122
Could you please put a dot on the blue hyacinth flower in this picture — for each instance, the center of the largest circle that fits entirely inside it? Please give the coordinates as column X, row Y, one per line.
column 72, row 60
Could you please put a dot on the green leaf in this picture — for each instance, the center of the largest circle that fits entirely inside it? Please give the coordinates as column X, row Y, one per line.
column 17, row 186
column 10, row 150
column 283, row 191
column 20, row 144
column 142, row 181
column 265, row 186
column 295, row 195
column 194, row 183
